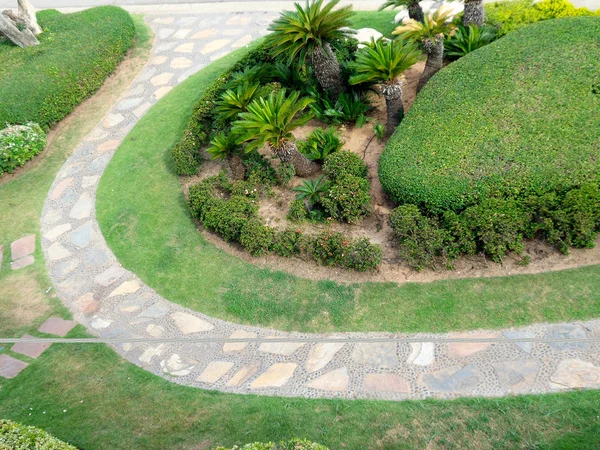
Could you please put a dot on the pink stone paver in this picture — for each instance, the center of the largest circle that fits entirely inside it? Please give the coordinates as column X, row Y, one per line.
column 57, row 326
column 22, row 262
column 22, row 247
column 10, row 367
column 60, row 188
column 31, row 349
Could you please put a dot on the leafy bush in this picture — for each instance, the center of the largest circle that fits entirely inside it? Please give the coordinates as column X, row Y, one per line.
column 329, row 248
column 349, row 107
column 200, row 195
column 294, row 444
column 348, row 199
column 285, row 173
column 344, row 163
column 363, row 256
column 14, row 436
column 312, row 191
column 320, row 143
column 44, row 83
column 521, row 120
column 288, row 243
column 256, row 237
column 227, row 217
column 235, row 101
column 259, row 170
column 19, row 144
column 297, row 211
column 467, row 39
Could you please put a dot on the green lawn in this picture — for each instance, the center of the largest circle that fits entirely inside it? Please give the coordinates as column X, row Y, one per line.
column 144, row 218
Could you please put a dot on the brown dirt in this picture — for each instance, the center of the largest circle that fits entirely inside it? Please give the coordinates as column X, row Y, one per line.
column 273, row 209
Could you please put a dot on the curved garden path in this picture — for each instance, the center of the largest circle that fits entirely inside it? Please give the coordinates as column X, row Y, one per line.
column 113, row 303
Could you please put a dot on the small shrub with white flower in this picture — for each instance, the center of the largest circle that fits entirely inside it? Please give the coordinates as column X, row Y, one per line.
column 19, row 144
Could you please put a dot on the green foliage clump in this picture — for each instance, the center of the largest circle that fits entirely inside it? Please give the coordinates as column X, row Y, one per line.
column 348, row 108
column 320, row 143
column 200, row 195
column 521, row 120
column 288, row 243
column 77, row 51
column 294, row 444
column 256, row 237
column 259, row 170
column 285, row 173
column 329, row 248
column 297, row 211
column 467, row 39
column 227, row 217
column 311, row 191
column 363, row 256
column 19, row 144
column 14, row 436
column 344, row 163
column 348, row 199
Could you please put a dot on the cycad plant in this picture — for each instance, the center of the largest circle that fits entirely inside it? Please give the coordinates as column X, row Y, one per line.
column 431, row 33
column 225, row 146
column 383, row 62
column 415, row 11
column 321, row 143
column 308, row 32
column 271, row 121
column 311, row 191
column 467, row 39
column 235, row 101
column 474, row 13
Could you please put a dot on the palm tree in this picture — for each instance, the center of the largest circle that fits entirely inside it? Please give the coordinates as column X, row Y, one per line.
column 474, row 13
column 309, row 31
column 311, row 190
column 431, row 34
column 271, row 121
column 415, row 11
column 235, row 101
column 225, row 146
column 383, row 62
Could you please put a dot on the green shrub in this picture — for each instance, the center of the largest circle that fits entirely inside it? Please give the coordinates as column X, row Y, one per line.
column 256, row 237
column 467, row 39
column 348, row 199
column 329, row 248
column 19, row 144
column 14, row 436
column 244, row 188
column 285, row 173
column 44, row 83
column 363, row 256
column 227, row 217
column 521, row 119
column 349, row 107
column 294, row 444
column 320, row 143
column 259, row 170
column 288, row 243
column 297, row 211
column 200, row 195
column 343, row 163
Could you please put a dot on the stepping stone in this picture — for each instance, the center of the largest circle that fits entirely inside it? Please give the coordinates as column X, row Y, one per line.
column 240, row 20
column 10, row 367
column 215, row 45
column 243, row 375
column 109, row 276
column 52, row 217
column 335, row 380
column 82, row 236
column 97, row 134
column 137, row 90
column 57, row 326
column 188, row 323
column 161, row 79
column 238, row 346
column 22, row 247
column 160, row 93
column 567, row 331
column 87, row 305
column 515, row 335
column 151, row 352
column 575, row 374
column 181, row 63
column 158, row 49
column 164, row 33
column 108, row 146
column 181, row 34
column 381, row 354
column 22, row 262
column 128, row 287
column 82, row 208
column 188, row 47
column 517, row 377
column 176, row 366
column 55, row 232
column 64, row 268
column 112, row 120
column 156, row 311
column 140, row 110
column 280, row 348
column 56, row 251
column 204, row 34
column 95, row 256
column 158, row 60
column 464, row 349
column 275, row 376
column 60, row 188
column 87, row 182
column 242, row 42
column 214, row 371
column 422, row 353
column 134, row 304
column 100, row 323
column 156, row 331
column 31, row 349
column 385, row 382
column 321, row 354
column 454, row 380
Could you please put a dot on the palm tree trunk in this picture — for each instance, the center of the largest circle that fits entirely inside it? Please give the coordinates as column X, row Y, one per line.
column 394, row 106
column 474, row 13
column 328, row 71
column 435, row 54
column 416, row 12
column 238, row 170
column 288, row 152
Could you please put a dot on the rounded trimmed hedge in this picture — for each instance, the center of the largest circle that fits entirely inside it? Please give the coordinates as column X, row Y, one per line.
column 22, row 437
column 520, row 116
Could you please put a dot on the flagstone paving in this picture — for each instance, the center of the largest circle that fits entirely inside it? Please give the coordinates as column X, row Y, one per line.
column 113, row 303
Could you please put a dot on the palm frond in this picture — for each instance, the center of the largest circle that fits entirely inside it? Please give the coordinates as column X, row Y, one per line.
column 434, row 26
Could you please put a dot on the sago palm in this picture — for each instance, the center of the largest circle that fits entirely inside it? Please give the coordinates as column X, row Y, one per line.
column 271, row 121
column 225, row 146
column 308, row 32
column 414, row 8
column 311, row 191
column 235, row 101
column 431, row 33
column 383, row 62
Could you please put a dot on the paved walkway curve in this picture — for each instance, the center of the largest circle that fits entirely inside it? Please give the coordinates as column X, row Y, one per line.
column 113, row 303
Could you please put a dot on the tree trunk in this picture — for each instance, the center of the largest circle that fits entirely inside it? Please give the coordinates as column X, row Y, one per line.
column 435, row 53
column 238, row 170
column 474, row 13
column 328, row 71
column 27, row 14
column 394, row 106
column 416, row 12
column 23, row 38
column 287, row 152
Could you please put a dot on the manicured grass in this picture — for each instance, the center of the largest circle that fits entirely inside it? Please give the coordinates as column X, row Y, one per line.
column 89, row 397
column 77, row 52
column 382, row 21
column 516, row 118
column 142, row 212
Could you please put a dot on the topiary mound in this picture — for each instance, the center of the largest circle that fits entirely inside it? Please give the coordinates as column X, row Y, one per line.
column 520, row 116
column 16, row 436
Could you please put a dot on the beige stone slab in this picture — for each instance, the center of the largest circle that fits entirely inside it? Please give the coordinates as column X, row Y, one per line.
column 238, row 346
column 56, row 251
column 280, row 348
column 204, row 33
column 238, row 20
column 243, row 375
column 385, row 382
column 158, row 60
column 214, row 371
column 156, row 331
column 160, row 93
column 128, row 287
column 108, row 146
column 335, row 380
column 188, row 47
column 575, row 374
column 187, row 323
column 422, row 353
column 215, row 45
column 161, row 79
column 55, row 232
column 275, row 376
column 181, row 63
column 182, row 33
column 151, row 352
column 464, row 349
column 321, row 354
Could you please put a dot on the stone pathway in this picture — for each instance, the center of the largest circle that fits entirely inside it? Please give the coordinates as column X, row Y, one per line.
column 113, row 303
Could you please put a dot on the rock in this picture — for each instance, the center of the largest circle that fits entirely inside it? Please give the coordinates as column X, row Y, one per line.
column 422, row 353
column 214, row 371
column 280, row 348
column 109, row 276
column 238, row 346
column 464, row 349
column 275, row 376
column 335, row 380
column 385, row 382
column 128, row 287
column 516, row 335
column 454, row 380
column 188, row 323
column 55, row 232
column 82, row 236
column 567, row 331
column 151, row 352
column 176, row 366
column 22, row 247
column 575, row 374
column 381, row 354
column 517, row 377
column 321, row 354
column 243, row 375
